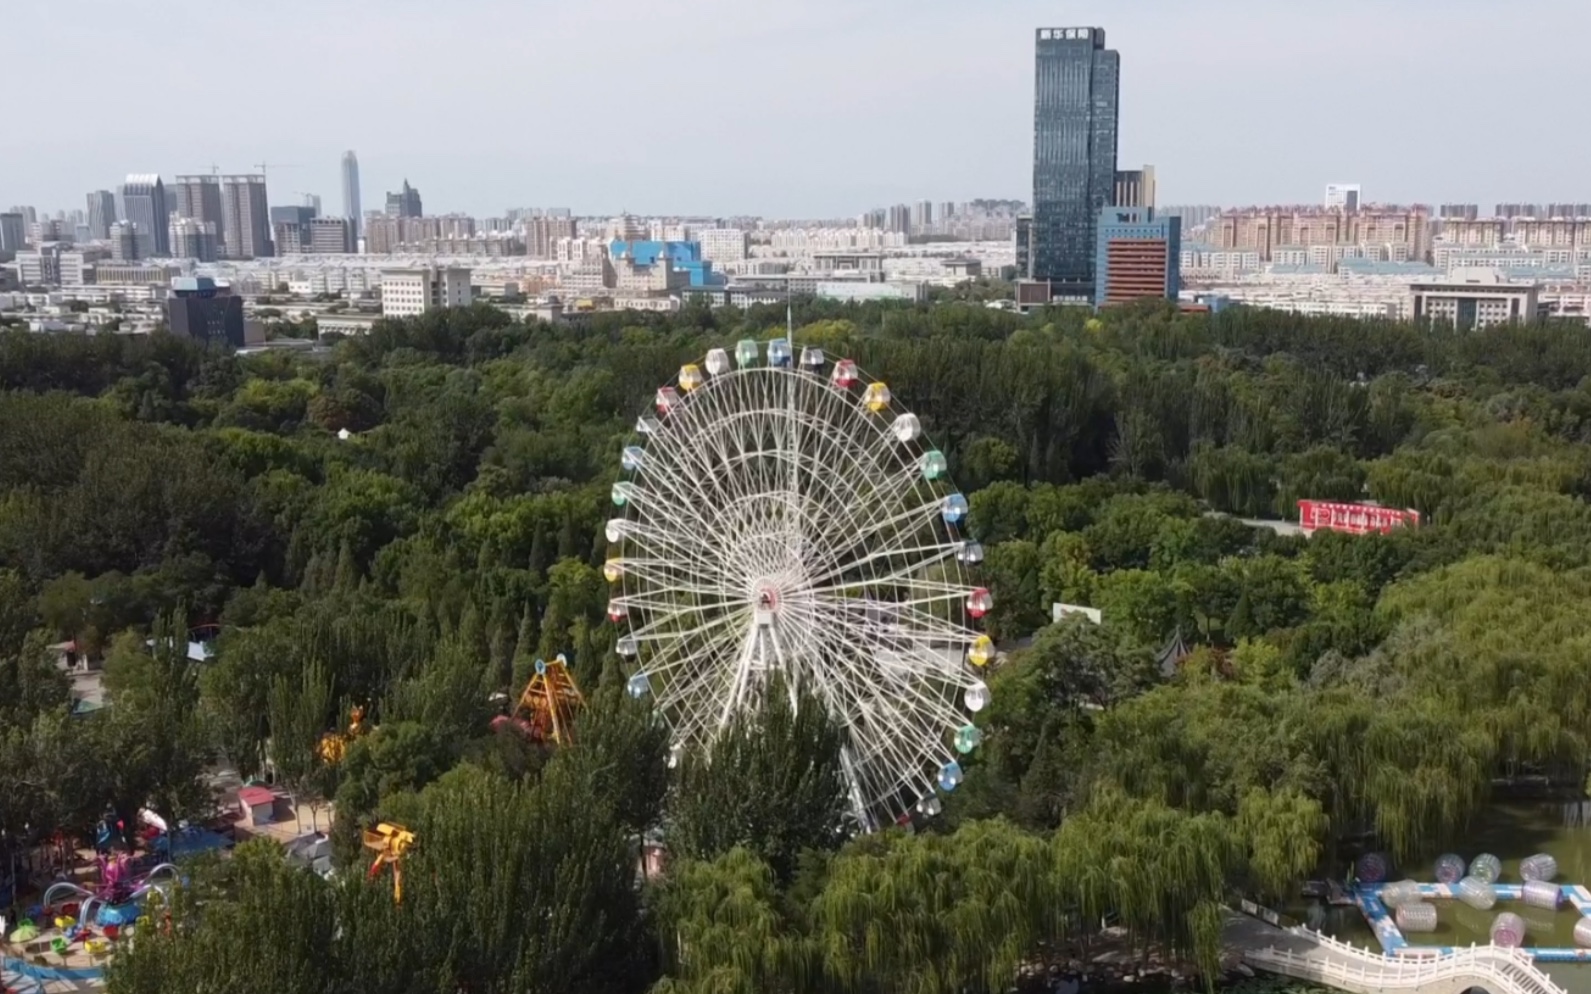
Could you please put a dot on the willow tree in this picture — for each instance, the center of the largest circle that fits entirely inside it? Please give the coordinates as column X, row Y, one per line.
column 722, row 929
column 1282, row 832
column 1160, row 869
column 936, row 914
column 1425, row 774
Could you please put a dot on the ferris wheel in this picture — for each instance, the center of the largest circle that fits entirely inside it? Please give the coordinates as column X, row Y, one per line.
column 783, row 517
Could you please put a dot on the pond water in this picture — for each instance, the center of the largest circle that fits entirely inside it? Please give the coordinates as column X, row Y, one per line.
column 1511, row 832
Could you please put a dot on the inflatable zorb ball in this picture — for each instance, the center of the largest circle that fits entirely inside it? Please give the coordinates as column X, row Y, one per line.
column 1541, row 894
column 1449, row 868
column 1486, row 868
column 1372, row 868
column 1582, row 932
column 1538, row 867
column 1401, row 893
column 1508, row 929
column 1417, row 917
column 1478, row 894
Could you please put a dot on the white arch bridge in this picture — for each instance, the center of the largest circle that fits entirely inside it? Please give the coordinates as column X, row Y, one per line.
column 1306, row 955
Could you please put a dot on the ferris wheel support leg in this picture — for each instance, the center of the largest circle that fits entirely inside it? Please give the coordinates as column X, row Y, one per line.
column 743, row 665
column 792, row 692
column 858, row 806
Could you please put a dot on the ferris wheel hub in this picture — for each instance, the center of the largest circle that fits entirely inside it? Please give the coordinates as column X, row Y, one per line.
column 766, row 600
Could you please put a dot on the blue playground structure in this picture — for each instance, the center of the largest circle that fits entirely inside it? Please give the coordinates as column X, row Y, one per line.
column 1367, row 897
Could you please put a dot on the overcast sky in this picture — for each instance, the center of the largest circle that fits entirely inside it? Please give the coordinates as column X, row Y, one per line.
column 800, row 108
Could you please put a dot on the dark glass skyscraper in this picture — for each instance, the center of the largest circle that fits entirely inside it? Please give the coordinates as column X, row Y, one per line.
column 143, row 202
column 405, row 203
column 1076, row 88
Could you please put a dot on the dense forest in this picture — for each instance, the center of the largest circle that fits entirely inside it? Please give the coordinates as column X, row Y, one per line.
column 417, row 564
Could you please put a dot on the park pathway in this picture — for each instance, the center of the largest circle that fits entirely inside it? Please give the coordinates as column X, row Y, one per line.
column 17, row 983
column 1305, row 955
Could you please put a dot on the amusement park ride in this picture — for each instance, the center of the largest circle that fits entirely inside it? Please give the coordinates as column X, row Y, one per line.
column 390, row 843
column 545, row 712
column 779, row 514
column 334, row 744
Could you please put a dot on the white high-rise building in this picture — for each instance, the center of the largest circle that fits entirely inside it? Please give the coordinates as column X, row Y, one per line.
column 408, row 292
column 1343, row 196
column 351, row 207
column 720, row 245
column 246, row 230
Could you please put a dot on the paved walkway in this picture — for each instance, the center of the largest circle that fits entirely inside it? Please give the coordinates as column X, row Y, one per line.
column 1305, row 955
column 16, row 983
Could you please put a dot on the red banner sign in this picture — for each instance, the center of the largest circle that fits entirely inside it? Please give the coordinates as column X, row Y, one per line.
column 1355, row 519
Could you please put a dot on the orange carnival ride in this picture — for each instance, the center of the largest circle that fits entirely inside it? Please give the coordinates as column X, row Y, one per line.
column 390, row 843
column 545, row 712
column 334, row 744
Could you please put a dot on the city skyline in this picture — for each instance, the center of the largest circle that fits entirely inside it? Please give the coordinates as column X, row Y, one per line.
column 1235, row 102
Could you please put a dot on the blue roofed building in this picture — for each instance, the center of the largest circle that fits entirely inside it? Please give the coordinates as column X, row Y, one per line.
column 685, row 257
column 1137, row 256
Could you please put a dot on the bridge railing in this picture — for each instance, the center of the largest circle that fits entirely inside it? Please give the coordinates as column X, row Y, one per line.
column 1501, row 970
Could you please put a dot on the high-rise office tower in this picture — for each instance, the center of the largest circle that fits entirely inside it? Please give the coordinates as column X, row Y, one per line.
column 404, row 203
column 1076, row 89
column 13, row 232
column 351, row 206
column 191, row 239
column 247, row 231
column 329, row 236
column 1135, row 187
column 199, row 199
column 101, row 214
column 127, row 243
column 143, row 203
column 1343, row 197
column 290, row 229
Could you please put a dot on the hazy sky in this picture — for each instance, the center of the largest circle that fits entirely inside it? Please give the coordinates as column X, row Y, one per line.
column 795, row 108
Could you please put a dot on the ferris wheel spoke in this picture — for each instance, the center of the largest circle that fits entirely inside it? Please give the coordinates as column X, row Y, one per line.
column 940, row 650
column 661, row 544
column 696, row 698
column 896, row 677
column 925, row 632
column 917, row 557
column 650, row 604
column 656, row 630
column 867, row 496
column 656, row 572
column 921, row 516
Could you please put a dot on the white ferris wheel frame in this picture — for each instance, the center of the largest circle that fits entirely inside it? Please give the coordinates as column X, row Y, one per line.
column 777, row 522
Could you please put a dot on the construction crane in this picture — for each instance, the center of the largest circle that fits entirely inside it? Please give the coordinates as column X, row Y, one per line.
column 262, row 166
